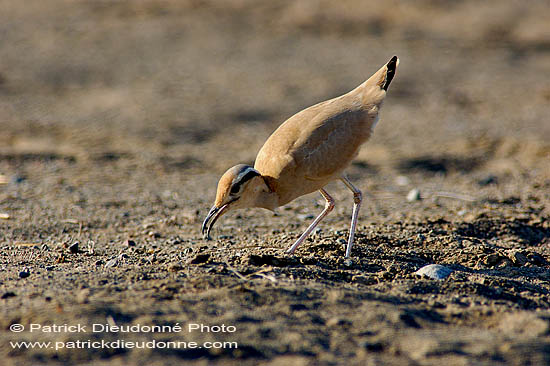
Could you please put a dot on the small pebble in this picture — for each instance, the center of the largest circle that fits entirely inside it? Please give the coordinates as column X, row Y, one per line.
column 130, row 243
column 83, row 296
column 61, row 258
column 414, row 195
column 16, row 179
column 154, row 234
column 536, row 259
column 111, row 263
column 373, row 346
column 7, row 295
column 490, row 179
column 24, row 273
column 434, row 271
column 493, row 260
column 365, row 280
column 74, row 248
column 200, row 258
column 175, row 267
column 519, row 258
column 337, row 321
column 402, row 180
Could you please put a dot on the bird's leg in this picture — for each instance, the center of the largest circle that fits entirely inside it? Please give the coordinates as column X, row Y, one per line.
column 329, row 205
column 357, row 198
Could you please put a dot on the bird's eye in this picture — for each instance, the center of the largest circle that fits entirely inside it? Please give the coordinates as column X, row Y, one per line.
column 235, row 189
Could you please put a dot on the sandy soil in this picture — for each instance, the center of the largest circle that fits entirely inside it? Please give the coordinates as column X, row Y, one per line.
column 117, row 119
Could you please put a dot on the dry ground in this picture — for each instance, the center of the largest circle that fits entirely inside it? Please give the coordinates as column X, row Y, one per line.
column 117, row 118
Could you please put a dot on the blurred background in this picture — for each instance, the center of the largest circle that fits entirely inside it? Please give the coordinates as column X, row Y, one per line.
column 104, row 98
column 147, row 76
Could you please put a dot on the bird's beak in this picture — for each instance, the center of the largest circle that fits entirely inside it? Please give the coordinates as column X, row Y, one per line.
column 213, row 215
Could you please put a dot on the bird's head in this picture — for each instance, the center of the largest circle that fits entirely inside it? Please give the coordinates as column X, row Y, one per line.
column 239, row 187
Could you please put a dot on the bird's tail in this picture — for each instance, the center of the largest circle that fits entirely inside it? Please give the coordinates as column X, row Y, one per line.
column 383, row 77
column 391, row 67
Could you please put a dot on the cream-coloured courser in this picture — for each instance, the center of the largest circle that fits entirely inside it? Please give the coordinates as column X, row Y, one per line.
column 309, row 150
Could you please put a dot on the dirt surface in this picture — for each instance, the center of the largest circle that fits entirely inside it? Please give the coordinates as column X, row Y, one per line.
column 117, row 119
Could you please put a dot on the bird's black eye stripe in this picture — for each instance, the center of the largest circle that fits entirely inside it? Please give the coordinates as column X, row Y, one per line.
column 249, row 175
column 236, row 187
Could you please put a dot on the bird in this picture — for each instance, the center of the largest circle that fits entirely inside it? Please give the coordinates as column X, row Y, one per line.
column 305, row 153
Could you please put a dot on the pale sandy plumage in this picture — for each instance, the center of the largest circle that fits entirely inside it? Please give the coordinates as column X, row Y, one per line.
column 309, row 150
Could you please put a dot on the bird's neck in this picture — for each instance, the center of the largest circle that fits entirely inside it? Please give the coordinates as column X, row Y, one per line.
column 266, row 197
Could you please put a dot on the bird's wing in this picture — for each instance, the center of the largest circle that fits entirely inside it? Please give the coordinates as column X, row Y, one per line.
column 330, row 141
column 321, row 140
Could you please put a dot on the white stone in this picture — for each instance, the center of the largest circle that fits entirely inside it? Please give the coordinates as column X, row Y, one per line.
column 434, row 271
column 414, row 195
